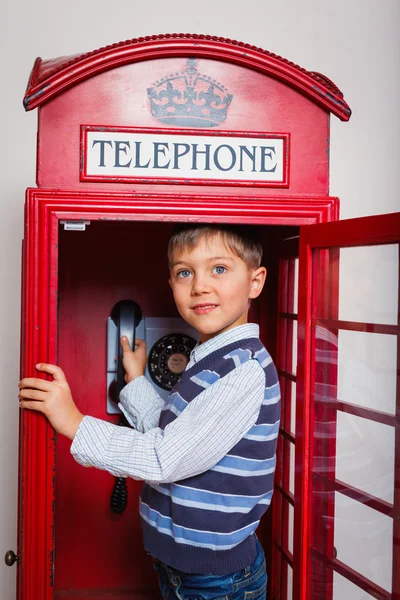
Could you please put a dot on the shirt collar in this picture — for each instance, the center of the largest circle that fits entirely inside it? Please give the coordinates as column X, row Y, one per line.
column 241, row 332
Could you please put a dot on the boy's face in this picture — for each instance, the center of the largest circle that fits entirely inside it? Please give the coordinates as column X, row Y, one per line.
column 212, row 286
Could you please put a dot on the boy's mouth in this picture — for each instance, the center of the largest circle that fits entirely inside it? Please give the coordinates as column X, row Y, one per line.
column 201, row 309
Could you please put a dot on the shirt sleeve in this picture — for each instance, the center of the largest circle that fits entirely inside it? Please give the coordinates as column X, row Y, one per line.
column 141, row 404
column 195, row 441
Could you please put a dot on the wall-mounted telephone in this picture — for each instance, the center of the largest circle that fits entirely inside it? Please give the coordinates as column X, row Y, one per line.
column 169, row 342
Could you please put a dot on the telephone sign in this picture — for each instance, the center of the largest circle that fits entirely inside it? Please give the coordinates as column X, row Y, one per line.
column 174, row 155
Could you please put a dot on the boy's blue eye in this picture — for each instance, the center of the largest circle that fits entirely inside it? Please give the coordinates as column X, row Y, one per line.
column 219, row 270
column 184, row 273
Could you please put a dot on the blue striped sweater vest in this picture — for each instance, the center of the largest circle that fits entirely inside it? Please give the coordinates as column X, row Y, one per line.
column 204, row 524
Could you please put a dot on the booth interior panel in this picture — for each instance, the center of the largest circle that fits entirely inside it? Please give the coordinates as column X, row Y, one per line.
column 110, row 261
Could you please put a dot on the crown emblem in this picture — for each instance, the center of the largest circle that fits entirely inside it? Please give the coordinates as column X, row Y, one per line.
column 189, row 98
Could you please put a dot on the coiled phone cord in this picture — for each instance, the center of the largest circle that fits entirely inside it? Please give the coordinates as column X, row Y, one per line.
column 119, row 496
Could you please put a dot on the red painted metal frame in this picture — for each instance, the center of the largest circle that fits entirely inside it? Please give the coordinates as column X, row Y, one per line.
column 35, row 576
column 44, row 210
column 356, row 326
column 396, row 500
column 49, row 78
column 173, row 207
column 334, row 564
column 288, row 369
column 277, row 500
column 382, row 229
column 284, row 498
column 323, row 426
column 182, row 132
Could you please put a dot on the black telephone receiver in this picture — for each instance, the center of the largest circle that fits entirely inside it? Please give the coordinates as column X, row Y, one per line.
column 126, row 315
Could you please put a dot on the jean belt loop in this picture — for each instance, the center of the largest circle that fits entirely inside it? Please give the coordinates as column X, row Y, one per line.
column 173, row 578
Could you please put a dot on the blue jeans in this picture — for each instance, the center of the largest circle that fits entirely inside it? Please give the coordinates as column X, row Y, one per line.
column 248, row 584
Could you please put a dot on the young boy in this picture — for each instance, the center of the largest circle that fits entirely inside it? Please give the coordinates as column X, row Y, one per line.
column 207, row 454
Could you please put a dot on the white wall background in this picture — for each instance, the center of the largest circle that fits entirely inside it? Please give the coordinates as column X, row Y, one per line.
column 356, row 43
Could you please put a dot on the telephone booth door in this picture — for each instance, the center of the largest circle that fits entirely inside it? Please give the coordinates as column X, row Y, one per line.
column 347, row 490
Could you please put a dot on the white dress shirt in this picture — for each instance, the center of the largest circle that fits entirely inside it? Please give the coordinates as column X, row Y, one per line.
column 195, row 441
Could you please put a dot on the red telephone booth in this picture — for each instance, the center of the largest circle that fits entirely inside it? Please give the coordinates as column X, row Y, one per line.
column 132, row 138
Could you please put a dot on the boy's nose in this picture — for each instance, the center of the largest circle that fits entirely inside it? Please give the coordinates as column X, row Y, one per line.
column 200, row 286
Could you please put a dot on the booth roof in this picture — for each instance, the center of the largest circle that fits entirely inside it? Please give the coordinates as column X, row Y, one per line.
column 53, row 76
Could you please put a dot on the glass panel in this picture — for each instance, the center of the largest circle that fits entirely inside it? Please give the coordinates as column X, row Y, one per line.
column 293, row 407
column 365, row 455
column 296, row 280
column 294, row 348
column 367, row 370
column 363, row 540
column 343, row 588
column 290, row 528
column 283, row 324
column 279, row 461
column 289, row 582
column 283, row 285
column 368, row 290
column 291, row 467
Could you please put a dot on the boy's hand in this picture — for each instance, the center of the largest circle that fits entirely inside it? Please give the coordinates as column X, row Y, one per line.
column 134, row 362
column 51, row 398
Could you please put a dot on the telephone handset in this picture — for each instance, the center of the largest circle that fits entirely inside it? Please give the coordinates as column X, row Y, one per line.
column 126, row 316
column 169, row 342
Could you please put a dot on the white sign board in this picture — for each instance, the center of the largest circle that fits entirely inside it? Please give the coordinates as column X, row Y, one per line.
column 130, row 154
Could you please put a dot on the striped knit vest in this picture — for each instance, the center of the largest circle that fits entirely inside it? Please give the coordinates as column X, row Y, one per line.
column 204, row 524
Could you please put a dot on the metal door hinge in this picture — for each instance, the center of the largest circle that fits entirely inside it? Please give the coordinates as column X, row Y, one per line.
column 75, row 225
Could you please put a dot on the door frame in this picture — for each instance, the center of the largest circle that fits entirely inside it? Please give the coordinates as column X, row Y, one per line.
column 44, row 209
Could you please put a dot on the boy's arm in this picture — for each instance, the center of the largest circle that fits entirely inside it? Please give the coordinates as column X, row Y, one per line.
column 210, row 426
column 139, row 400
column 141, row 404
column 54, row 399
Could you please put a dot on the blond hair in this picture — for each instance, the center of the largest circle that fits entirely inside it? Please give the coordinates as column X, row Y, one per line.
column 242, row 240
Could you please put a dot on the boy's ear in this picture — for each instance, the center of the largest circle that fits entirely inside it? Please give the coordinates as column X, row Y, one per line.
column 170, row 282
column 257, row 281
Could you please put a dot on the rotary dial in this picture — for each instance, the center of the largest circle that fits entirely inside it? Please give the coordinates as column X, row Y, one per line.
column 168, row 359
